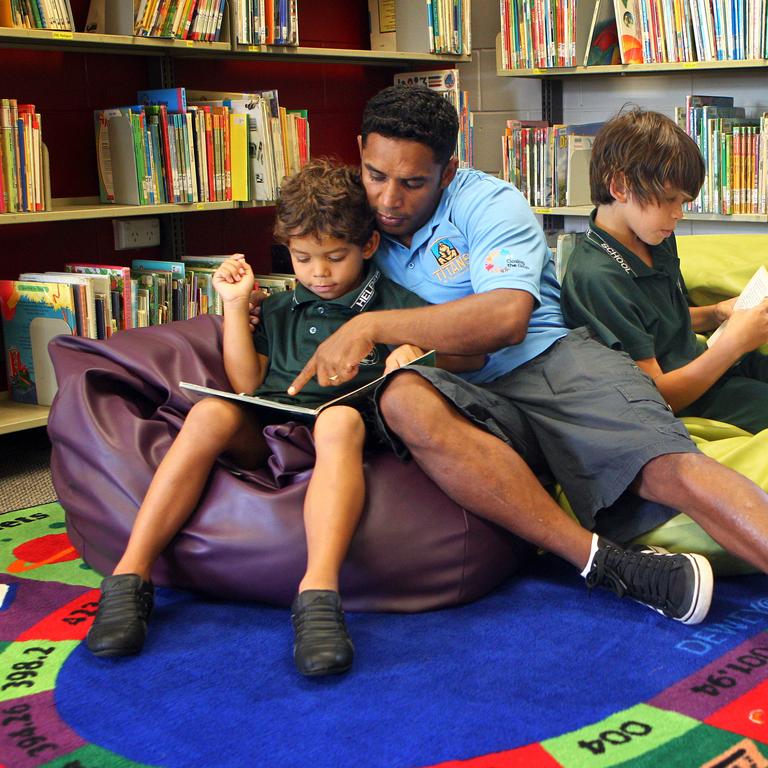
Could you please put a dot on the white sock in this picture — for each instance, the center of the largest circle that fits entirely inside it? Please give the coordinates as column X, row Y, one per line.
column 592, row 553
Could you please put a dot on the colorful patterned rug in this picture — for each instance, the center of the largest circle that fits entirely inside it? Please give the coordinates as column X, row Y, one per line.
column 538, row 674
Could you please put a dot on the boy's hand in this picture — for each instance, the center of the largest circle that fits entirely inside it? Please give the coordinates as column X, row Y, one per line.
column 401, row 356
column 724, row 309
column 233, row 280
column 748, row 328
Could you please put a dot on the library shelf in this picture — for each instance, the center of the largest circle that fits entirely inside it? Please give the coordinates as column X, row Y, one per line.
column 15, row 417
column 585, row 210
column 86, row 42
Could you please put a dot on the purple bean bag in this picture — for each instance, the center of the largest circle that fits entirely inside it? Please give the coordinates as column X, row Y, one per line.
column 117, row 411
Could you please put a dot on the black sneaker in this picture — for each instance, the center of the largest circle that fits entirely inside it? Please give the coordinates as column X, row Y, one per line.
column 678, row 586
column 322, row 645
column 120, row 626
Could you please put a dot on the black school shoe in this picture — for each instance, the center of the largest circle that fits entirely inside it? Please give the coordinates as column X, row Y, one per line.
column 677, row 586
column 120, row 626
column 322, row 645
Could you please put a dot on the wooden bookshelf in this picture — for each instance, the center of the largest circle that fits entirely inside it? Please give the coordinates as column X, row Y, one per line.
column 79, row 208
column 85, row 42
column 15, row 417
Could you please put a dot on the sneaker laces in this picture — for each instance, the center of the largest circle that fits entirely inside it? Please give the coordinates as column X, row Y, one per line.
column 649, row 575
column 125, row 603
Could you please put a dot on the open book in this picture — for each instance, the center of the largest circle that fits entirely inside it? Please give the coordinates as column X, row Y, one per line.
column 755, row 291
column 350, row 398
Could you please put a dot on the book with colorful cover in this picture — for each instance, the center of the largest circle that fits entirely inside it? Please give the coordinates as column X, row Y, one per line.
column 120, row 284
column 32, row 314
column 628, row 24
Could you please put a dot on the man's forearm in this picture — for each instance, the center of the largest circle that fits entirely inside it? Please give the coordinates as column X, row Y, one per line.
column 476, row 324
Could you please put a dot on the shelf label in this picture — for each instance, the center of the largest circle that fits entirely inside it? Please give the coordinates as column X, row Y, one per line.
column 200, row 206
column 690, row 64
column 63, row 35
column 190, row 43
column 542, row 210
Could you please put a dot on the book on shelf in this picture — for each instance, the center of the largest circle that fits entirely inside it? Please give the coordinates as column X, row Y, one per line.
column 266, row 22
column 37, row 14
column 383, row 25
column 160, row 291
column 350, row 398
column 32, row 314
column 629, row 31
column 754, row 293
column 120, row 289
column 602, row 41
column 579, row 151
column 446, row 82
column 83, row 297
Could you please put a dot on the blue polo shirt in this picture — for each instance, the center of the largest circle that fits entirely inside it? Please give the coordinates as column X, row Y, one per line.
column 482, row 236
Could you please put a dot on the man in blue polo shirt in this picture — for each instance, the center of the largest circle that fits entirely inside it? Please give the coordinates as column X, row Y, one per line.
column 547, row 399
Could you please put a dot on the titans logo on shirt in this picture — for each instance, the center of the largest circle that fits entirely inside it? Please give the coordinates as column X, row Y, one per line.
column 502, row 260
column 450, row 260
column 372, row 358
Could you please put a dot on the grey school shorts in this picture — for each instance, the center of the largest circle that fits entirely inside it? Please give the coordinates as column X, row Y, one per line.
column 581, row 409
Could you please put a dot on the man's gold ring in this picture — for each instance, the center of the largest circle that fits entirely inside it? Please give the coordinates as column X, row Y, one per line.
column 334, row 377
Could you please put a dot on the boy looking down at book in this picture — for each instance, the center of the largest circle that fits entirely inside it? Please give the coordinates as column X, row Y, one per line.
column 325, row 220
column 623, row 278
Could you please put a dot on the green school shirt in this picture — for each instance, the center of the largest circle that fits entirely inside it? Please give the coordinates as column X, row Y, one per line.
column 293, row 324
column 633, row 307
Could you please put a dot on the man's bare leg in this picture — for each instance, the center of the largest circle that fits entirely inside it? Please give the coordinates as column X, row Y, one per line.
column 496, row 484
column 332, row 510
column 504, row 491
column 729, row 507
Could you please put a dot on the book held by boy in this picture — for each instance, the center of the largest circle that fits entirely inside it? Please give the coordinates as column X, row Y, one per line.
column 755, row 291
column 350, row 398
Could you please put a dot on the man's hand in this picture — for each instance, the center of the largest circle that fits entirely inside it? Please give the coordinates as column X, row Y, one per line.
column 401, row 356
column 337, row 359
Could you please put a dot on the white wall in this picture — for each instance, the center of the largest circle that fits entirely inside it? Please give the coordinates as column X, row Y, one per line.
column 591, row 98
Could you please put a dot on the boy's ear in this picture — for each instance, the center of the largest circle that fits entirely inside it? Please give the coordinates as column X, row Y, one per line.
column 373, row 243
column 618, row 188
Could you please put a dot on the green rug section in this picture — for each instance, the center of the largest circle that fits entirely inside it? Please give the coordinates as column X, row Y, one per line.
column 92, row 756
column 32, row 666
column 619, row 738
column 34, row 545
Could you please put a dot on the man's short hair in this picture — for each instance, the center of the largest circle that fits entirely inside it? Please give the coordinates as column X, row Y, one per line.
column 324, row 198
column 650, row 151
column 416, row 113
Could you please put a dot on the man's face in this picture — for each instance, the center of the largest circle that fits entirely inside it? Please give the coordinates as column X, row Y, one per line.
column 403, row 183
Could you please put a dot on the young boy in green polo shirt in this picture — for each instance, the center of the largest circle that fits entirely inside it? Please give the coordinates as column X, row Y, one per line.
column 623, row 278
column 324, row 218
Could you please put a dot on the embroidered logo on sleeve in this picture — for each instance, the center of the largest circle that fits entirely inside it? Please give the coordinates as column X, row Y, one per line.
column 502, row 260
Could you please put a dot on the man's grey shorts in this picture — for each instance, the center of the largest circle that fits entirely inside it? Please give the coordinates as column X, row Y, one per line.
column 584, row 410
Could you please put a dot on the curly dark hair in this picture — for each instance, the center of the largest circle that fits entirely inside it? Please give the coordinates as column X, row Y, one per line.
column 324, row 198
column 413, row 112
column 650, row 151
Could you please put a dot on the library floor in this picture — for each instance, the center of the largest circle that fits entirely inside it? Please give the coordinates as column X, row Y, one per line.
column 25, row 476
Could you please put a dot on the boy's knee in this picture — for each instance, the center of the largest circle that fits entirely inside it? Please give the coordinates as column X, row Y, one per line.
column 213, row 414
column 339, row 424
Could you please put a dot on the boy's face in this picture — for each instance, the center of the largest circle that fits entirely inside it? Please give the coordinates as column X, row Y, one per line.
column 403, row 183
column 328, row 266
column 655, row 221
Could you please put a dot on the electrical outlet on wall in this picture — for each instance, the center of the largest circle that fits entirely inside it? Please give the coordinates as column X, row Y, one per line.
column 136, row 233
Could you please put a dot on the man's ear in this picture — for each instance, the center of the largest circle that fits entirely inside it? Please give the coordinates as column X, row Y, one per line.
column 373, row 243
column 449, row 172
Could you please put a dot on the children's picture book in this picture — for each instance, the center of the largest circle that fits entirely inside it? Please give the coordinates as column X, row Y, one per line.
column 602, row 42
column 628, row 23
column 33, row 313
column 347, row 399
column 755, row 291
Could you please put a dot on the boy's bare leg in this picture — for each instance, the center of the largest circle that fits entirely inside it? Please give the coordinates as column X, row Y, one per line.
column 728, row 506
column 212, row 427
column 332, row 509
column 479, row 471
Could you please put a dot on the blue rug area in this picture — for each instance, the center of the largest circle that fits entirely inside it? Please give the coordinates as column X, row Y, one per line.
column 537, row 659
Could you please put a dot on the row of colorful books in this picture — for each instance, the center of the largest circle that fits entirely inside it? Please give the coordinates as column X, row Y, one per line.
column 735, row 151
column 96, row 301
column 266, row 22
column 24, row 175
column 184, row 19
column 201, row 146
column 549, row 164
column 449, row 23
column 543, row 33
column 36, row 14
column 446, row 82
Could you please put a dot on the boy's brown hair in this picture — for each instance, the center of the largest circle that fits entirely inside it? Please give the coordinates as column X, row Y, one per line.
column 324, row 198
column 652, row 154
